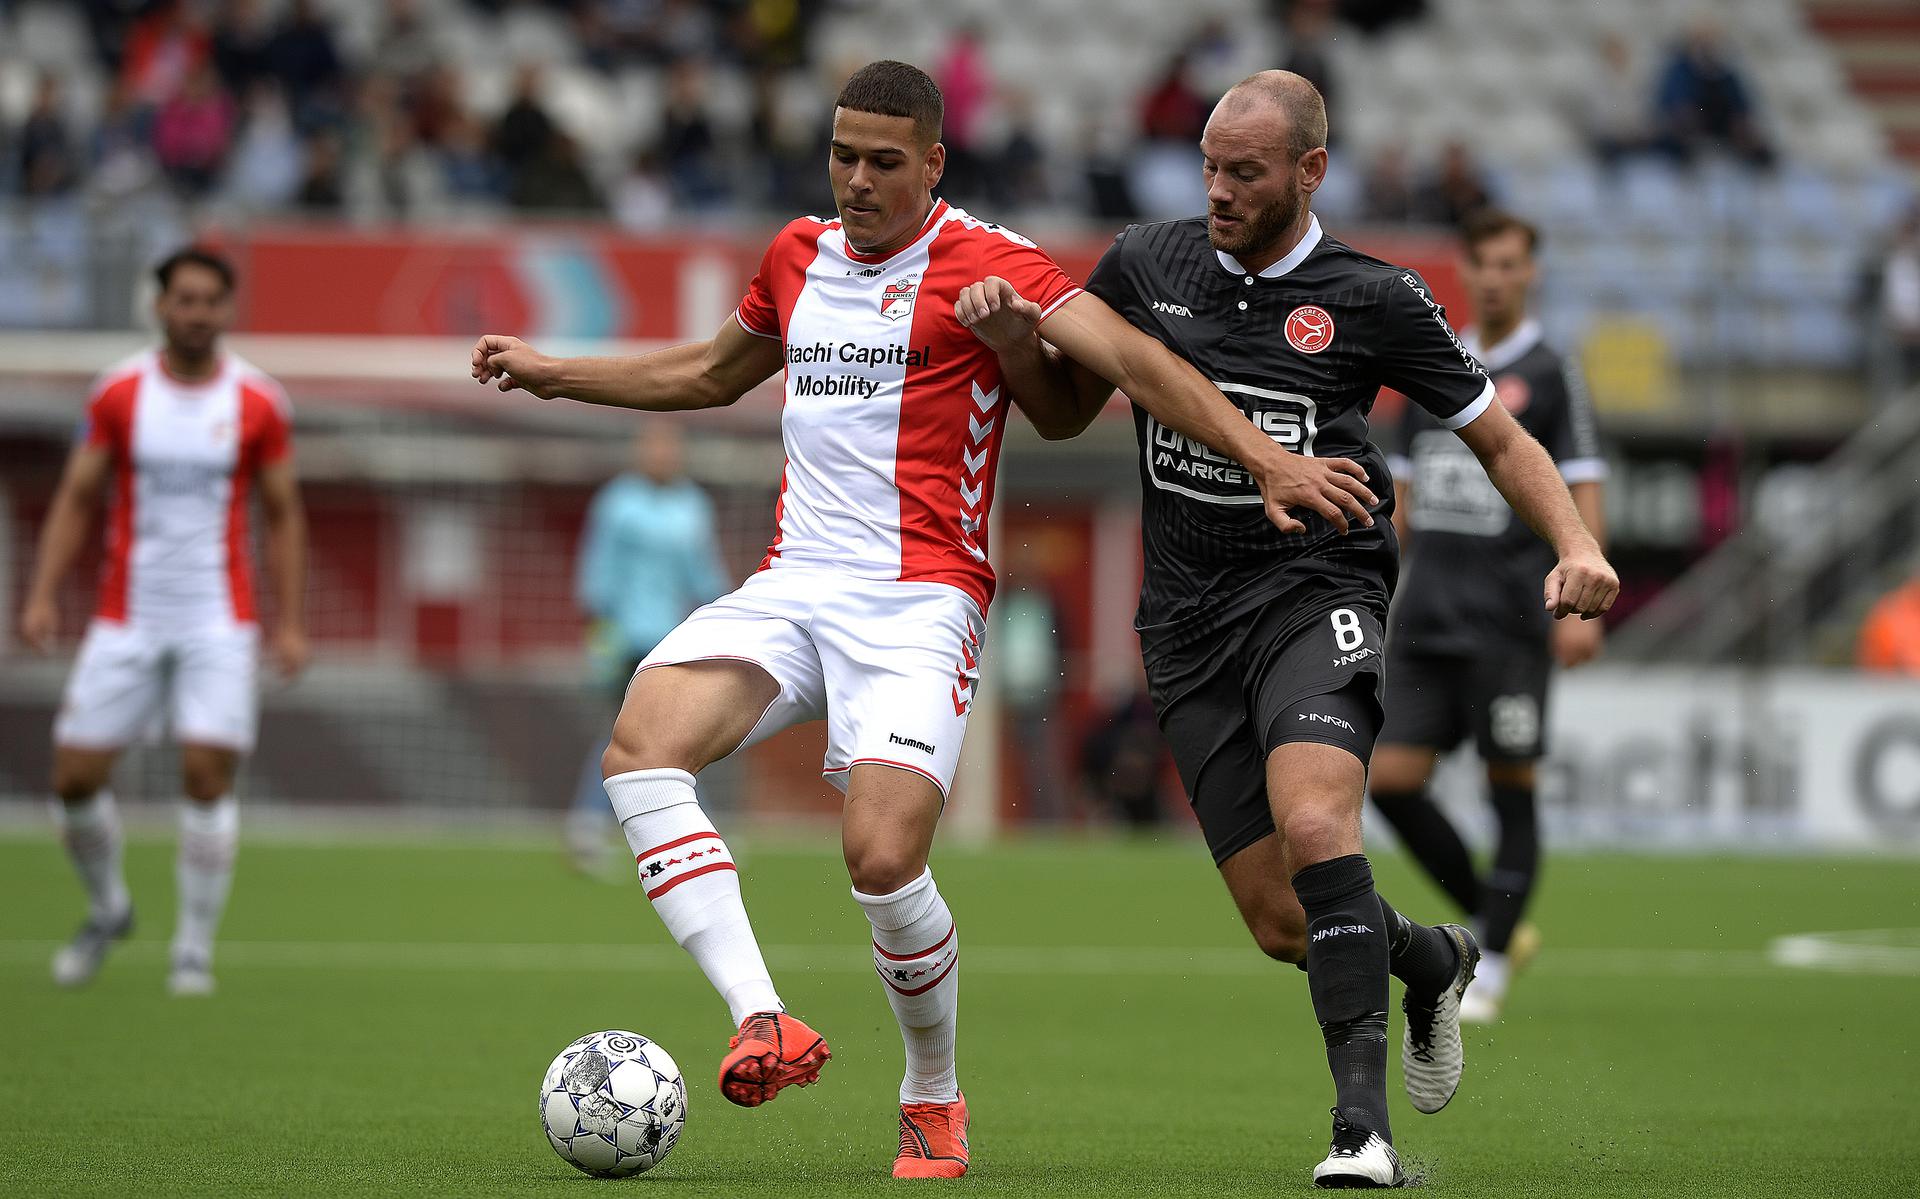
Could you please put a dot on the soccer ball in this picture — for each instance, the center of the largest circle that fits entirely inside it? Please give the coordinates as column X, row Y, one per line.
column 613, row 1104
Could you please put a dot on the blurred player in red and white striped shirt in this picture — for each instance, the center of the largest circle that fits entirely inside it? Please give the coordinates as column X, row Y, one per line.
column 184, row 433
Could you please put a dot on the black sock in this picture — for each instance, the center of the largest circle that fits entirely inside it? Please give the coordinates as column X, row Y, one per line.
column 1430, row 837
column 1347, row 975
column 1421, row 957
column 1516, row 864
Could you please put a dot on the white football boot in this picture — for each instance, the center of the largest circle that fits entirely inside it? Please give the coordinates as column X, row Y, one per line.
column 1431, row 1055
column 1359, row 1158
column 76, row 962
column 191, row 975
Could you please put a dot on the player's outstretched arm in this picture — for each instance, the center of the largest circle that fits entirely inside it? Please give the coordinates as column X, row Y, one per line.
column 1521, row 468
column 1059, row 397
column 62, row 537
column 285, row 520
column 699, row 374
column 1179, row 397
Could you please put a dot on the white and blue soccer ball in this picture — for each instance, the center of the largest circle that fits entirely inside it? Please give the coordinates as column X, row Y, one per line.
column 613, row 1104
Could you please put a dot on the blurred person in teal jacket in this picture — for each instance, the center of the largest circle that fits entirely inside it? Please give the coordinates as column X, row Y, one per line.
column 649, row 555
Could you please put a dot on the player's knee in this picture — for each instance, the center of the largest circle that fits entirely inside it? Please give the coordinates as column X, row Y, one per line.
column 640, row 748
column 1280, row 939
column 883, row 869
column 73, row 785
column 1317, row 832
column 205, row 781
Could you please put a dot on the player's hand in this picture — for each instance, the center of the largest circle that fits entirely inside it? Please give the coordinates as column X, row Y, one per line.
column 509, row 364
column 39, row 623
column 1336, row 488
column 1576, row 642
column 997, row 314
column 289, row 651
column 1582, row 583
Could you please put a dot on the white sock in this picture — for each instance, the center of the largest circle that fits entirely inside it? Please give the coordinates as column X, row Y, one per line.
column 1490, row 976
column 91, row 833
column 916, row 950
column 209, row 837
column 689, row 875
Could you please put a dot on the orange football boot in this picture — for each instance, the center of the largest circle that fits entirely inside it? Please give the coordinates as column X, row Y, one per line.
column 933, row 1140
column 772, row 1050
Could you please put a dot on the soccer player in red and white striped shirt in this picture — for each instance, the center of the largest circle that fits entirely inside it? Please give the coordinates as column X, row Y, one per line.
column 869, row 607
column 180, row 436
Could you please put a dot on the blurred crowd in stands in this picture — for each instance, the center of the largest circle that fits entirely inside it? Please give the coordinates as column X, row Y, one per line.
column 263, row 108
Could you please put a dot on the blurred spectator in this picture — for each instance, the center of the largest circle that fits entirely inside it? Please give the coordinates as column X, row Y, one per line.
column 46, row 162
column 1017, row 171
column 1026, row 643
column 122, row 153
column 1388, row 192
column 1372, row 16
column 323, row 186
column 648, row 558
column 1109, row 193
column 643, row 199
column 164, row 48
column 689, row 144
column 240, row 39
column 1308, row 26
column 557, row 182
column 472, row 175
column 1890, row 638
column 1615, row 109
column 1173, row 109
column 966, row 85
column 1456, row 190
column 1702, row 102
column 1164, row 172
column 301, row 55
column 521, row 134
column 1123, row 759
column 433, row 101
column 267, row 161
column 192, row 130
column 1899, row 298
column 406, row 48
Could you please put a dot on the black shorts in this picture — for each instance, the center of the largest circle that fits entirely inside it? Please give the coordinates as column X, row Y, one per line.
column 1305, row 667
column 1498, row 697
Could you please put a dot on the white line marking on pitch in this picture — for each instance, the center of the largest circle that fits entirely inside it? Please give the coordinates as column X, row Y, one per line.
column 1005, row 960
column 1889, row 951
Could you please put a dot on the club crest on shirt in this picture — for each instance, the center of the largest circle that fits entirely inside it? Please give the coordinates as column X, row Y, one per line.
column 897, row 300
column 1515, row 393
column 1310, row 329
column 222, row 432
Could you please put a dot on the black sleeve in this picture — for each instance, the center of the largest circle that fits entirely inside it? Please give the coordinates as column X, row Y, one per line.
column 1110, row 281
column 1567, row 426
column 1422, row 359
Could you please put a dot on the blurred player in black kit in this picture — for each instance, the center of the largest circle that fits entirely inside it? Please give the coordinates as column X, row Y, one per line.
column 1263, row 639
column 1469, row 649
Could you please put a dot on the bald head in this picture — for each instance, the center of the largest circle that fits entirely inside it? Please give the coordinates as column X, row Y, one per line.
column 1299, row 109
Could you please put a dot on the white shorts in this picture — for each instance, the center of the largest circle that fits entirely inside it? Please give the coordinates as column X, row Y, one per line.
column 128, row 678
column 891, row 665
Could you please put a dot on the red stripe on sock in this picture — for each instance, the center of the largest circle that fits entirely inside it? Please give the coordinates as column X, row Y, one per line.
column 690, row 874
column 908, row 957
column 675, row 845
column 921, row 990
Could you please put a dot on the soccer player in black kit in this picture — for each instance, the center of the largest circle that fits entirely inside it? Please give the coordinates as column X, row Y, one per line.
column 1262, row 640
column 1469, row 650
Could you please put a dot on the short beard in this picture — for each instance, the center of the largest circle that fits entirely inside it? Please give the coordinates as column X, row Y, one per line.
column 1262, row 230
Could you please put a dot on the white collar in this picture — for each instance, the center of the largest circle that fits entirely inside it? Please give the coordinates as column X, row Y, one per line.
column 1294, row 257
column 1499, row 357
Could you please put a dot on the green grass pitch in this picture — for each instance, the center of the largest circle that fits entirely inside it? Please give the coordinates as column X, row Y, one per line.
column 385, row 1011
